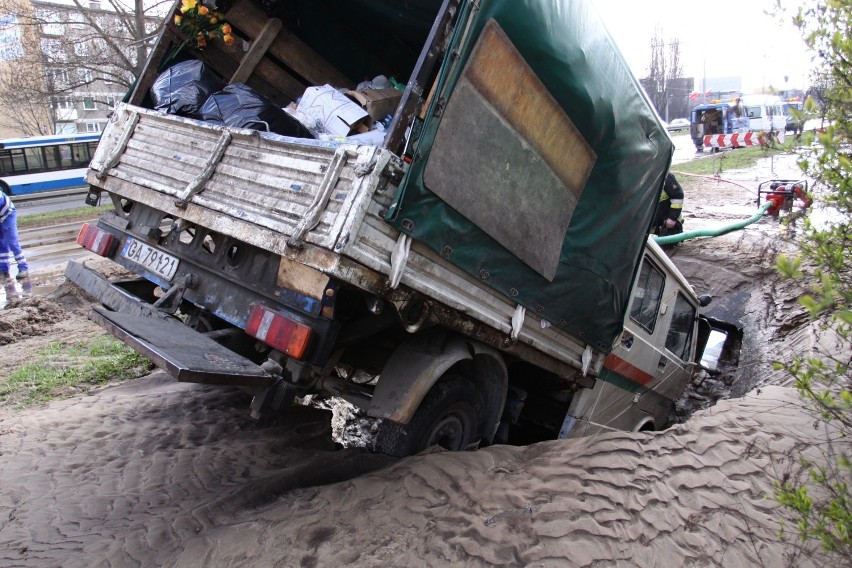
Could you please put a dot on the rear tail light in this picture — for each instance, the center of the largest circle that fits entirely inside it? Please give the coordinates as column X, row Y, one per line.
column 96, row 240
column 278, row 331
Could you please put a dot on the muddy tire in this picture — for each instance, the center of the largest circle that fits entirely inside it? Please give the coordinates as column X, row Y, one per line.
column 448, row 417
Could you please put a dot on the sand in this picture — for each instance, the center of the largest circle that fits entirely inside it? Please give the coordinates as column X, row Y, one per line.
column 156, row 473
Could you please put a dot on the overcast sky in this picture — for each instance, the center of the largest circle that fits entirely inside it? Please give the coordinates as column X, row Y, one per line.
column 719, row 38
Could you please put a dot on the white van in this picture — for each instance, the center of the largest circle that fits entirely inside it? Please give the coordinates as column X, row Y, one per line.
column 765, row 113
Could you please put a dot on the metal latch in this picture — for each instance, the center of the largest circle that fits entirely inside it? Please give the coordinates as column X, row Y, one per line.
column 170, row 301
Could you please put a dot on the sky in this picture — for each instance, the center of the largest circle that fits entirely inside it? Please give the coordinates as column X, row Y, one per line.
column 718, row 38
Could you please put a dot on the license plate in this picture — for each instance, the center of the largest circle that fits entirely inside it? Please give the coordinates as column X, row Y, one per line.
column 154, row 260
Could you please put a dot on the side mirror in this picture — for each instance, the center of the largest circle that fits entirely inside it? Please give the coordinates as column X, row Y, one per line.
column 704, row 300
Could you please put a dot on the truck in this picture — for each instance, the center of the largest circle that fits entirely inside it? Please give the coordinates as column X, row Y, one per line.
column 717, row 117
column 482, row 274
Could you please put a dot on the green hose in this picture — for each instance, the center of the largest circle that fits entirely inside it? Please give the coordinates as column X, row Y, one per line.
column 680, row 237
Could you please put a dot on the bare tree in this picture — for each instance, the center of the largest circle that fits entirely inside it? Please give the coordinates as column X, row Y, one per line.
column 72, row 49
column 665, row 67
column 22, row 89
column 819, row 90
column 21, row 78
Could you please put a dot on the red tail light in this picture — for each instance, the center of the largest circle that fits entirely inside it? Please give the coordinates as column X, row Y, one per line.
column 96, row 240
column 279, row 332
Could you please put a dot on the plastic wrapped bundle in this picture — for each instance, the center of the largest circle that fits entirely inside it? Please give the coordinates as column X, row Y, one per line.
column 183, row 88
column 240, row 106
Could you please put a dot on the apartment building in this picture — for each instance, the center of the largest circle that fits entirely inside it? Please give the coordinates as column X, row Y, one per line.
column 82, row 59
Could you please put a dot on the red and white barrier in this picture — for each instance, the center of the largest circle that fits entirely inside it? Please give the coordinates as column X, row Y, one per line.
column 738, row 140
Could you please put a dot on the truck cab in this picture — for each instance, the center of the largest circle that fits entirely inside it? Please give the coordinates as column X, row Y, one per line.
column 655, row 356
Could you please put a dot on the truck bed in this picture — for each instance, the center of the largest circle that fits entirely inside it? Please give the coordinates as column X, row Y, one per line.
column 321, row 204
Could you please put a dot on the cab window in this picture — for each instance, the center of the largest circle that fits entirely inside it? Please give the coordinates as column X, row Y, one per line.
column 646, row 297
column 679, row 337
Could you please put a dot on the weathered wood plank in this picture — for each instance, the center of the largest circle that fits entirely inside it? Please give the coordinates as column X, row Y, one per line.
column 257, row 50
column 287, row 48
column 165, row 41
column 269, row 79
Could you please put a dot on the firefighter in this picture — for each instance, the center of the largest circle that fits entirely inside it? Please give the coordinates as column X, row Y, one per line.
column 10, row 250
column 668, row 219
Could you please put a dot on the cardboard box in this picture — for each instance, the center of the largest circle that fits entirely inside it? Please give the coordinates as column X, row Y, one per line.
column 338, row 114
column 377, row 102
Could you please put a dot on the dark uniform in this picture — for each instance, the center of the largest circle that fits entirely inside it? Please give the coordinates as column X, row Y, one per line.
column 670, row 207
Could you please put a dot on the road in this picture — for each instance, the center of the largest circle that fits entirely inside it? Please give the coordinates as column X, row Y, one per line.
column 55, row 201
column 47, row 249
column 684, row 148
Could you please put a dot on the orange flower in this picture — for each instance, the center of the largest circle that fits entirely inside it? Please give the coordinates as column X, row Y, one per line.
column 212, row 35
column 213, row 20
column 226, row 29
column 178, row 19
column 201, row 41
column 203, row 10
column 228, row 38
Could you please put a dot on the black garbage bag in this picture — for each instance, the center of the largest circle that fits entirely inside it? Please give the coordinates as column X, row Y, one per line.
column 183, row 88
column 240, row 106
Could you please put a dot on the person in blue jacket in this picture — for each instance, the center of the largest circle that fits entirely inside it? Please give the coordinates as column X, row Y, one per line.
column 10, row 250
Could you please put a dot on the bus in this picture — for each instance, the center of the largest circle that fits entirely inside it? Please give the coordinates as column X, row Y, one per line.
column 44, row 163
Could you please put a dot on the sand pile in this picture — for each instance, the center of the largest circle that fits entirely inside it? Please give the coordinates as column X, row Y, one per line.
column 154, row 473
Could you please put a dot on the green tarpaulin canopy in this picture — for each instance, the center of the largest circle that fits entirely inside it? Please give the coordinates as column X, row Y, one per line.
column 540, row 164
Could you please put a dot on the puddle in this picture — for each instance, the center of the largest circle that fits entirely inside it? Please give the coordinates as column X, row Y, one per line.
column 16, row 290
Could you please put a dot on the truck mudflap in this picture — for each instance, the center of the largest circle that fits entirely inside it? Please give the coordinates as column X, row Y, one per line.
column 184, row 353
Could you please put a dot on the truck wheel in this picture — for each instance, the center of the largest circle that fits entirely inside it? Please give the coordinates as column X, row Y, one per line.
column 449, row 417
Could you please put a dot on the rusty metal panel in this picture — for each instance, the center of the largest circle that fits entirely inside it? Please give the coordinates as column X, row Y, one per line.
column 300, row 278
column 525, row 102
column 507, row 157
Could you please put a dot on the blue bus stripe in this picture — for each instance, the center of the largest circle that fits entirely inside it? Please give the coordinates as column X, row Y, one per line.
column 48, row 185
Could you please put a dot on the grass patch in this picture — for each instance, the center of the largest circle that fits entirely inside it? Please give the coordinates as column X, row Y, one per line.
column 726, row 160
column 59, row 217
column 61, row 370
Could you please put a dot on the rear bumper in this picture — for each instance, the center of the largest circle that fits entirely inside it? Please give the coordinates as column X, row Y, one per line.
column 184, row 353
column 113, row 297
